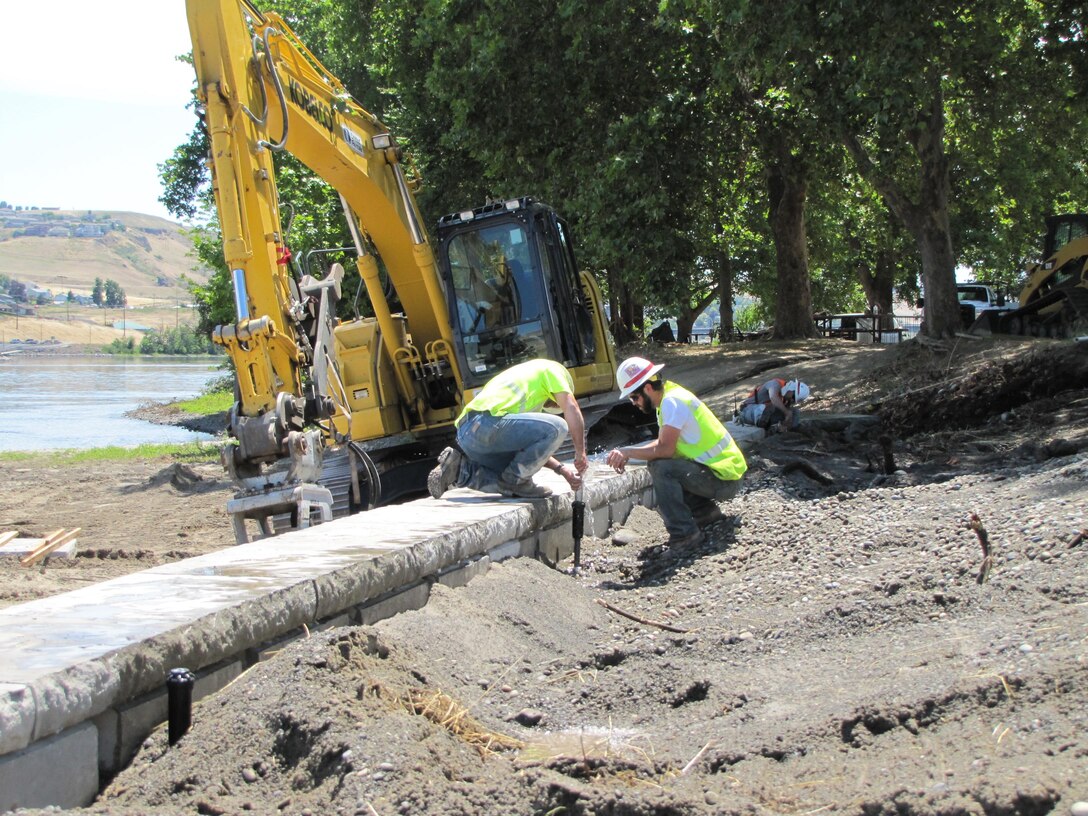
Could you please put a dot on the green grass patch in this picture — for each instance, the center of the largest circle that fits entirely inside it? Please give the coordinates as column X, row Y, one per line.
column 213, row 403
column 178, row 452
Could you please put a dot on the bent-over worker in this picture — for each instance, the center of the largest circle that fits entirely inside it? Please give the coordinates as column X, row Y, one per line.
column 505, row 438
column 773, row 405
column 694, row 462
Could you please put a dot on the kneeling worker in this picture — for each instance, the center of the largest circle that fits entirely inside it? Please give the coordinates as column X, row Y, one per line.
column 505, row 438
column 694, row 462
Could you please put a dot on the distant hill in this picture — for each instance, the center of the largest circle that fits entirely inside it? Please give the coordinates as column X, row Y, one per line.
column 66, row 250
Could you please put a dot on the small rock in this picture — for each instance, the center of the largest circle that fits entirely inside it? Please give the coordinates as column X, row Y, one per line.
column 1078, row 809
column 249, row 775
column 528, row 717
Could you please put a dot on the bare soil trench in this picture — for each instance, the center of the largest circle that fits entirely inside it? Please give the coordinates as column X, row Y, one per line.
column 840, row 643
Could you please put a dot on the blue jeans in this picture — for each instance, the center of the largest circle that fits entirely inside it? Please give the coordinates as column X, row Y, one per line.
column 509, row 448
column 766, row 415
column 685, row 488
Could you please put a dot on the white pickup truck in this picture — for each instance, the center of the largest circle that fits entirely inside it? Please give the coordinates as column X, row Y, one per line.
column 976, row 298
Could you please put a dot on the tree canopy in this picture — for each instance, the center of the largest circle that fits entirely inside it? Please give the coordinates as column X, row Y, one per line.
column 819, row 157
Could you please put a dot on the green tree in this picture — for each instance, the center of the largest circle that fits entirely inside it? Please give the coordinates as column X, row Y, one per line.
column 596, row 107
column 924, row 97
column 98, row 293
column 114, row 295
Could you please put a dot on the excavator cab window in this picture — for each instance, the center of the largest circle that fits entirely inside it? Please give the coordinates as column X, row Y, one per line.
column 499, row 304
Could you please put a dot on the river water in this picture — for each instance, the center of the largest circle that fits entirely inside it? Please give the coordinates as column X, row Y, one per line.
column 58, row 401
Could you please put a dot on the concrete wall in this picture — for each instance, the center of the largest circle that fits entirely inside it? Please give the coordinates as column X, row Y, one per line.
column 82, row 675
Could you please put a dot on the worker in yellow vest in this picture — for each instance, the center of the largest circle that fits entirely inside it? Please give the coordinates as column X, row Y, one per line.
column 505, row 437
column 694, row 462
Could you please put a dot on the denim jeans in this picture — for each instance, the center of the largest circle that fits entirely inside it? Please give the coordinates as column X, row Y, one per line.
column 685, row 488
column 508, row 448
column 766, row 415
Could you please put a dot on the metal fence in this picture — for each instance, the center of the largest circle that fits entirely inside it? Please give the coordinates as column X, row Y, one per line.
column 864, row 328
column 857, row 327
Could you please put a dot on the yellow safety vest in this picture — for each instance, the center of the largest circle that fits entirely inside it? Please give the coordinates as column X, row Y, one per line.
column 521, row 389
column 716, row 448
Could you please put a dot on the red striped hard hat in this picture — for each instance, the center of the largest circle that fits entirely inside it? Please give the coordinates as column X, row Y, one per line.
column 633, row 372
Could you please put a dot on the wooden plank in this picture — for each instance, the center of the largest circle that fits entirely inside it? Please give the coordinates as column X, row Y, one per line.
column 49, row 537
column 8, row 536
column 52, row 542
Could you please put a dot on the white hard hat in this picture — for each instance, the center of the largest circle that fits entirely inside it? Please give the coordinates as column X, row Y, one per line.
column 799, row 389
column 633, row 372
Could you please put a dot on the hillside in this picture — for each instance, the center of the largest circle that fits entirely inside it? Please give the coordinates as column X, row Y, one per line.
column 66, row 250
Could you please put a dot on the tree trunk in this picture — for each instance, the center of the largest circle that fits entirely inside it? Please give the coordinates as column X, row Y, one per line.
column 684, row 321
column 941, row 314
column 625, row 314
column 787, row 189
column 927, row 219
column 879, row 288
column 725, row 297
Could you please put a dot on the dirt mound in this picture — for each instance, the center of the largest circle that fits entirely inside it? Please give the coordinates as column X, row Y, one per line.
column 835, row 655
column 167, row 414
column 1038, row 382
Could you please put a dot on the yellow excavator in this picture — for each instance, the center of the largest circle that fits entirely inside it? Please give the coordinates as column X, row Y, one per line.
column 336, row 416
column 1054, row 300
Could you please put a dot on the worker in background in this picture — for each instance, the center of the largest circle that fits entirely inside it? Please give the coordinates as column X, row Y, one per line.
column 773, row 405
column 505, row 438
column 694, row 462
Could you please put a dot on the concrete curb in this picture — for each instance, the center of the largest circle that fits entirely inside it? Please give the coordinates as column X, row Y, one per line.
column 98, row 657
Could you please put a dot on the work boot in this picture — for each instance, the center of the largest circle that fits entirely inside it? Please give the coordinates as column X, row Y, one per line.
column 692, row 540
column 712, row 515
column 443, row 477
column 525, row 489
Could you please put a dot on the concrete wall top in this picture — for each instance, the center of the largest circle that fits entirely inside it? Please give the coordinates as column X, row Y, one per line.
column 69, row 657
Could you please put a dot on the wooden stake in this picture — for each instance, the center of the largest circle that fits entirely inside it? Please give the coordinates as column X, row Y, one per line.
column 8, row 536
column 984, row 540
column 691, row 763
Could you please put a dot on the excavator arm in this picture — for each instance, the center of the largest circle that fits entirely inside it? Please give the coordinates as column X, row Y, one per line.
column 380, row 392
column 264, row 92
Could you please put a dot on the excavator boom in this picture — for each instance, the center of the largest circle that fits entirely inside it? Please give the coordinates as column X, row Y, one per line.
column 386, row 388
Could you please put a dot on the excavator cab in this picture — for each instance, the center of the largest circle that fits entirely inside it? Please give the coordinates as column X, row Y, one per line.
column 514, row 292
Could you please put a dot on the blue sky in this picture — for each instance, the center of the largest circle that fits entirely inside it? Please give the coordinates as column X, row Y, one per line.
column 93, row 100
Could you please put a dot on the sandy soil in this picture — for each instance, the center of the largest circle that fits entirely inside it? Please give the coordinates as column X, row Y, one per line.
column 840, row 644
column 131, row 516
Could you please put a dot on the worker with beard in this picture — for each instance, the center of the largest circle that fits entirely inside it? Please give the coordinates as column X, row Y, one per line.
column 694, row 462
